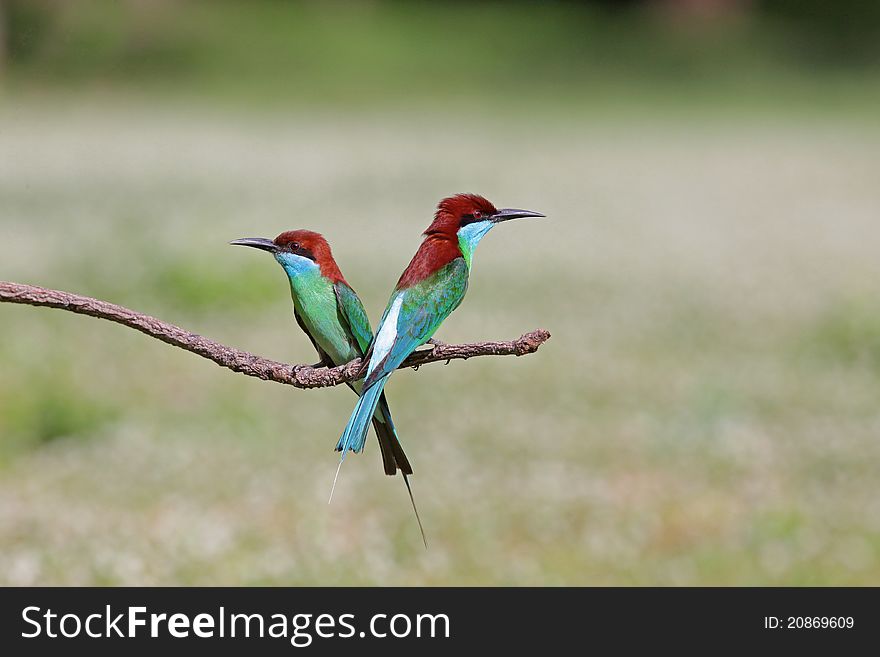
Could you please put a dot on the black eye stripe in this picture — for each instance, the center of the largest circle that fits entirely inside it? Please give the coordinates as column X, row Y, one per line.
column 301, row 250
column 298, row 249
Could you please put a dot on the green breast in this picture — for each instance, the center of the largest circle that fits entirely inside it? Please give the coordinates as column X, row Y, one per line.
column 315, row 303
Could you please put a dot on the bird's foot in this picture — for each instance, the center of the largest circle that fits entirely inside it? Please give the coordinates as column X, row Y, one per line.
column 436, row 343
column 362, row 370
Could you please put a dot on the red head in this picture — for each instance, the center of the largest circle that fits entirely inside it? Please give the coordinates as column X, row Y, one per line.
column 304, row 243
column 456, row 211
column 459, row 223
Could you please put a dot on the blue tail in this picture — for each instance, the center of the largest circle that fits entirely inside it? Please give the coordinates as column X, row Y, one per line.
column 355, row 434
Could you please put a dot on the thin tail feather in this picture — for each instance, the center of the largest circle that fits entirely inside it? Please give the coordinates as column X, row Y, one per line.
column 335, row 479
column 412, row 499
column 393, row 455
column 355, row 434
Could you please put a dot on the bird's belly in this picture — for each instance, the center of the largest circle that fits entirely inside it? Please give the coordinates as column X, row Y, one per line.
column 328, row 333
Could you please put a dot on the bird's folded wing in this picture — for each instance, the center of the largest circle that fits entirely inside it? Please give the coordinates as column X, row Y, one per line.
column 422, row 308
column 352, row 313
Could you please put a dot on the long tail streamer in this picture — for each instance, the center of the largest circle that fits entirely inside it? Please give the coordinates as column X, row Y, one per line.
column 411, row 499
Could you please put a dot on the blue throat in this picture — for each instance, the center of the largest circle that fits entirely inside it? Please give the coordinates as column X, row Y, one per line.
column 469, row 236
column 297, row 267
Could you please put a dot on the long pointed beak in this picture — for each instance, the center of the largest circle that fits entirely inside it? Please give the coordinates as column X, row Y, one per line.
column 511, row 213
column 257, row 243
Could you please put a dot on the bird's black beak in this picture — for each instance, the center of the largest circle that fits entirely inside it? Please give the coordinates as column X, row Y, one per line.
column 510, row 213
column 257, row 243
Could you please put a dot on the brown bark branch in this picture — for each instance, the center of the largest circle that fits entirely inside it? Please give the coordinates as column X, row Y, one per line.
column 299, row 376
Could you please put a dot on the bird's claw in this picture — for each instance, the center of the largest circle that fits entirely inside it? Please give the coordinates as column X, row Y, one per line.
column 362, row 370
column 436, row 343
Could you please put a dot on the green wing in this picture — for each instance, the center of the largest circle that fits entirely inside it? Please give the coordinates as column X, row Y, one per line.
column 424, row 307
column 430, row 302
column 353, row 315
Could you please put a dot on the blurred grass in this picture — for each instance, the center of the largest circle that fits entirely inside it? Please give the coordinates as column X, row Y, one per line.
column 848, row 333
column 705, row 413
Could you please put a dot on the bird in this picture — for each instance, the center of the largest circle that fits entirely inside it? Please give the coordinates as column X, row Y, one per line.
column 430, row 288
column 331, row 314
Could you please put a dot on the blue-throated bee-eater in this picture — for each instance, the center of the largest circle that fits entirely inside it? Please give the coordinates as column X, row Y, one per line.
column 430, row 288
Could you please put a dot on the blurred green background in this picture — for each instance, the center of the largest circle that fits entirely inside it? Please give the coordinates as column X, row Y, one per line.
column 705, row 413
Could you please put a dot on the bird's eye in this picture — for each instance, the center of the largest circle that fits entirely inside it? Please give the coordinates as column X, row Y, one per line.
column 477, row 214
column 293, row 245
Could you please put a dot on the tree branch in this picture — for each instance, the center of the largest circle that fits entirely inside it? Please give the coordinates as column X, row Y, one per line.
column 299, row 376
